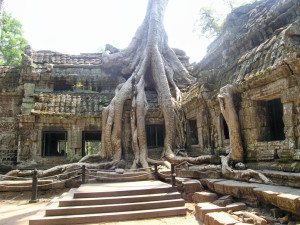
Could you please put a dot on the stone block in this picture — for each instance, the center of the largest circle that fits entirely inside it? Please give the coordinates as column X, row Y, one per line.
column 29, row 89
column 223, row 201
column 203, row 208
column 188, row 197
column 204, row 196
column 192, row 186
column 219, row 218
column 236, row 206
column 179, row 182
column 289, row 202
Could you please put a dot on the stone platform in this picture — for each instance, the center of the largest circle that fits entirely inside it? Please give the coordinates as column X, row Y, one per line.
column 107, row 202
column 285, row 198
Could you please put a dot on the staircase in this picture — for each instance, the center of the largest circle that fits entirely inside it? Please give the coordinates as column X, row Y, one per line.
column 107, row 177
column 108, row 202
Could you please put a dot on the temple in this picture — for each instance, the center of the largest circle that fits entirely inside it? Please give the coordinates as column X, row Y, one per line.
column 50, row 106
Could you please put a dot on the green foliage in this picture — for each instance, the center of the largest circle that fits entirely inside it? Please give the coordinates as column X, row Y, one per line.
column 92, row 147
column 12, row 43
column 208, row 23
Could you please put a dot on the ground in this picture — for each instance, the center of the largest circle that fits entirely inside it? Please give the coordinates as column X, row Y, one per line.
column 15, row 209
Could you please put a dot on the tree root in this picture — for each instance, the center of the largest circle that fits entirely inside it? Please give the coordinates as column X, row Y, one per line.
column 242, row 175
column 150, row 62
column 58, row 170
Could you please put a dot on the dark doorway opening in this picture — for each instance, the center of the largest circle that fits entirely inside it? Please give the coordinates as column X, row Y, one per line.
column 275, row 111
column 55, row 144
column 224, row 130
column 155, row 136
column 193, row 132
column 91, row 142
column 62, row 85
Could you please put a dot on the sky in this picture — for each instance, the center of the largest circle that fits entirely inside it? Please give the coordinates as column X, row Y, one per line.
column 77, row 26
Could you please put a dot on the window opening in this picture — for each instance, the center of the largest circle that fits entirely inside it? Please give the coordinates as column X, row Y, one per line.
column 55, row 144
column 155, row 136
column 91, row 142
column 275, row 111
column 62, row 85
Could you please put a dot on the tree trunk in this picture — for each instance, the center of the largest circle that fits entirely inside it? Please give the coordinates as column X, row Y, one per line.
column 231, row 118
column 236, row 146
column 151, row 62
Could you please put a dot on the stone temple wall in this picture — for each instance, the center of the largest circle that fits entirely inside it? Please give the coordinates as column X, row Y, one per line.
column 58, row 93
column 258, row 53
column 60, row 97
column 10, row 101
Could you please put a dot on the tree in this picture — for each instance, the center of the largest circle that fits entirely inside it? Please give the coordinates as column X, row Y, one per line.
column 236, row 147
column 150, row 62
column 1, row 5
column 209, row 23
column 12, row 42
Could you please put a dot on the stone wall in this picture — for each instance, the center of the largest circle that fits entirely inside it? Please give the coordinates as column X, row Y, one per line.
column 58, row 93
column 258, row 53
column 10, row 100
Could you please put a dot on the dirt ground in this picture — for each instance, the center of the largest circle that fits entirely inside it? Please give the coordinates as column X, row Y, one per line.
column 15, row 209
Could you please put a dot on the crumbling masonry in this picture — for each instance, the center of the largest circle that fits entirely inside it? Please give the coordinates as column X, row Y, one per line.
column 50, row 107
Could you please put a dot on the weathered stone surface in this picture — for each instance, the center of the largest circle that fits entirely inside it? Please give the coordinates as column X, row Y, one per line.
column 257, row 52
column 204, row 196
column 289, row 202
column 203, row 208
column 223, row 201
column 237, row 206
column 179, row 182
column 286, row 198
column 187, row 196
column 219, row 218
column 192, row 186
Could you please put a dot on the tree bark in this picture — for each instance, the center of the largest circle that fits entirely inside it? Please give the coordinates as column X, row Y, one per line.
column 231, row 118
column 236, row 147
column 151, row 62
column 242, row 175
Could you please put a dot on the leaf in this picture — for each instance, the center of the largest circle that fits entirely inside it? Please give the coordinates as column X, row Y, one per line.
column 12, row 42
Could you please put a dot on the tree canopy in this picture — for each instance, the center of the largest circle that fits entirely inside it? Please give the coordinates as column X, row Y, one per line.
column 209, row 22
column 12, row 41
column 1, row 4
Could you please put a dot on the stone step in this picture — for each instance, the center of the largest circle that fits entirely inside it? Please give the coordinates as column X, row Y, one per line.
column 91, row 209
column 141, row 191
column 204, row 196
column 125, row 176
column 203, row 208
column 119, row 179
column 118, row 202
column 219, row 218
column 125, row 173
column 108, row 217
column 285, row 198
column 119, row 199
